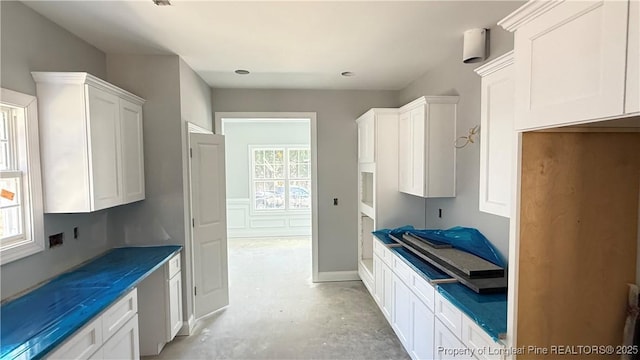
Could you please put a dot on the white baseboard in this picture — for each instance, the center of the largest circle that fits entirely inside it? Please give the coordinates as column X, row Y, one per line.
column 326, row 276
column 187, row 327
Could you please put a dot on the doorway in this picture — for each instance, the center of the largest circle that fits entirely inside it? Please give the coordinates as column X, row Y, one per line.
column 271, row 174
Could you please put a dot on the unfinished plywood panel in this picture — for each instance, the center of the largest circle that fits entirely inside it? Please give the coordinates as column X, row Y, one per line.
column 578, row 238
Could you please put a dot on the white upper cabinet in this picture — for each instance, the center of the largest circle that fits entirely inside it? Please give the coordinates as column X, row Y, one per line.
column 570, row 61
column 366, row 138
column 496, row 135
column 426, row 152
column 91, row 143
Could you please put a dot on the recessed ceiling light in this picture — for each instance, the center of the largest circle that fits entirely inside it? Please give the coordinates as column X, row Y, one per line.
column 242, row 72
column 162, row 2
column 347, row 73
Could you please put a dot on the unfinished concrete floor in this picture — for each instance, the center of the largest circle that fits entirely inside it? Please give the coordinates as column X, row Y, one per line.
column 276, row 312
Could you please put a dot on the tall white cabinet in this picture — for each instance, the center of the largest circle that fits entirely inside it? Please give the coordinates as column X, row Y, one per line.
column 496, row 135
column 380, row 203
column 91, row 143
column 426, row 152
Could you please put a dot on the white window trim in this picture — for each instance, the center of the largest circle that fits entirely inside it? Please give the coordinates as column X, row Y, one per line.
column 33, row 206
column 252, row 193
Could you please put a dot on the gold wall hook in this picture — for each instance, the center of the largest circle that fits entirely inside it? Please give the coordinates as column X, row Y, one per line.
column 463, row 141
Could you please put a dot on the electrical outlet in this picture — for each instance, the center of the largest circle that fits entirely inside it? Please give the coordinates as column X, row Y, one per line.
column 335, row 201
column 56, row 240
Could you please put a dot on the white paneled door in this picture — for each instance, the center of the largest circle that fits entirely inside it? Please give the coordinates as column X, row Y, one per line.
column 209, row 235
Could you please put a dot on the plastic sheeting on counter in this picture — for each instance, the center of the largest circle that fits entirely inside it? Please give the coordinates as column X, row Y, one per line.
column 468, row 239
column 35, row 323
column 489, row 311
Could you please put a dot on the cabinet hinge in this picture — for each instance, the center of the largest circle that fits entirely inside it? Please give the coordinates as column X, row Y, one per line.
column 190, row 152
column 195, row 291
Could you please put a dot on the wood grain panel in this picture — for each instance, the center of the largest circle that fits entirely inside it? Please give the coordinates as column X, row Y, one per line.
column 578, row 238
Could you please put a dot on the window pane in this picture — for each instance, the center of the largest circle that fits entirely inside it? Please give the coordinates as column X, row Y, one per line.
column 269, row 194
column 10, row 222
column 258, row 156
column 4, row 132
column 279, row 157
column 4, row 155
column 9, row 191
column 300, row 194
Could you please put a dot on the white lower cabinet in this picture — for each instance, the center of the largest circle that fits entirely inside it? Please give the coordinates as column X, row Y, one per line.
column 421, row 330
column 161, row 307
column 383, row 286
column 112, row 335
column 124, row 344
column 402, row 312
column 447, row 345
column 428, row 325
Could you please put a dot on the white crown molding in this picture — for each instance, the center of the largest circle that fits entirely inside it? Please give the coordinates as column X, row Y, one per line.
column 423, row 100
column 80, row 78
column 495, row 64
column 527, row 12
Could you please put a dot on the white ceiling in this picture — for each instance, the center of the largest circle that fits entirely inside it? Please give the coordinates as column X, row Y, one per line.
column 285, row 44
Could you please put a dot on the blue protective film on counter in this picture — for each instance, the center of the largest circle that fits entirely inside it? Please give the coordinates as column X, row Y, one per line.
column 383, row 235
column 489, row 311
column 468, row 239
column 420, row 266
column 33, row 324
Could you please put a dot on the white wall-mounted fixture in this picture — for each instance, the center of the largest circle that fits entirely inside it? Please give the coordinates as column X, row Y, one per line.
column 474, row 48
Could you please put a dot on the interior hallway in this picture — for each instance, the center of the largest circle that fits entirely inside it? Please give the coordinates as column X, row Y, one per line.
column 276, row 312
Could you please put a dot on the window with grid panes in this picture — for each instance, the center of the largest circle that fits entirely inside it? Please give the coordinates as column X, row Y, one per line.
column 281, row 178
column 21, row 211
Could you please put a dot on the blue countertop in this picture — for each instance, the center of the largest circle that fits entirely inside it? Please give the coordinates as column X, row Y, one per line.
column 489, row 311
column 35, row 323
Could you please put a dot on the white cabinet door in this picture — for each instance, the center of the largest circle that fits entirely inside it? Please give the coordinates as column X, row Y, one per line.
column 426, row 153
column 175, row 306
column 411, row 151
column 422, row 319
column 632, row 101
column 447, row 345
column 496, row 135
column 366, row 138
column 104, row 146
column 570, row 64
column 124, row 344
column 402, row 312
column 132, row 151
column 387, row 298
column 405, row 146
column 378, row 276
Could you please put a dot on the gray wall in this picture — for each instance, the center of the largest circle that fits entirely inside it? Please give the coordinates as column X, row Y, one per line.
column 337, row 159
column 195, row 98
column 453, row 77
column 31, row 42
column 238, row 137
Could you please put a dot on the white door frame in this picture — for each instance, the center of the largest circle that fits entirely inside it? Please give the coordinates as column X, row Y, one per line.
column 313, row 138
